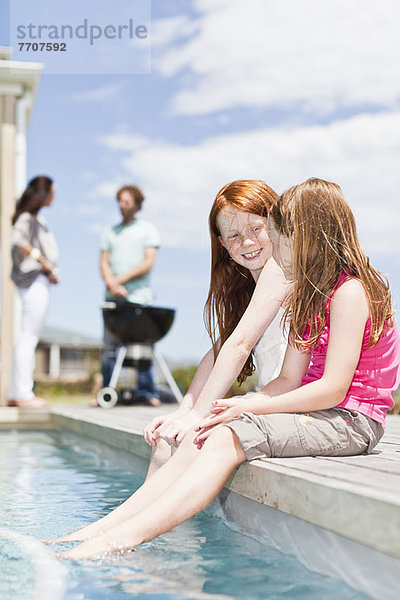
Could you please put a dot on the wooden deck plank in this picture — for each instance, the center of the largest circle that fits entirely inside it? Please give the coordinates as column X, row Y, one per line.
column 385, row 462
column 345, row 476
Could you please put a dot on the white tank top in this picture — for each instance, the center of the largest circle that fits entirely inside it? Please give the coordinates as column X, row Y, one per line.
column 270, row 350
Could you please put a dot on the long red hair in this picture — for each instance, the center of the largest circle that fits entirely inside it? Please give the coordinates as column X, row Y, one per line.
column 231, row 287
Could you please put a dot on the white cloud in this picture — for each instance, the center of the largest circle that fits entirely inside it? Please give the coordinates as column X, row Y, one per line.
column 312, row 55
column 170, row 29
column 360, row 153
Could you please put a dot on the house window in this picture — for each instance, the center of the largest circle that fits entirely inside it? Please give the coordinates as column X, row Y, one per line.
column 73, row 361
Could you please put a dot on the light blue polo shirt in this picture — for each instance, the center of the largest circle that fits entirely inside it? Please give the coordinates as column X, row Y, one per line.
column 126, row 245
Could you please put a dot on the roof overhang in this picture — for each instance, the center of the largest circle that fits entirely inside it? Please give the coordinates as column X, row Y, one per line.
column 19, row 78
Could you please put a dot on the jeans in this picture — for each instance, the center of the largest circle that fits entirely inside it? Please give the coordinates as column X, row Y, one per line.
column 145, row 388
column 35, row 301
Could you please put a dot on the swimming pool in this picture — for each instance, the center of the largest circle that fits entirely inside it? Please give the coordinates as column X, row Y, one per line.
column 53, row 482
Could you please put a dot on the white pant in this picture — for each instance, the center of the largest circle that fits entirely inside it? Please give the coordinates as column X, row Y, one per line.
column 35, row 301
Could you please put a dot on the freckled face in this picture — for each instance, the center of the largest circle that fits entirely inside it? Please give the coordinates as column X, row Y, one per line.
column 245, row 237
column 282, row 250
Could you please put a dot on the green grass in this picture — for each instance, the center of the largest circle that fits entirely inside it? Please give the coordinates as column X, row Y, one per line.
column 71, row 392
column 67, row 398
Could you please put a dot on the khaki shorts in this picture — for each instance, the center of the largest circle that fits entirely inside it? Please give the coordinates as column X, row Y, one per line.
column 332, row 432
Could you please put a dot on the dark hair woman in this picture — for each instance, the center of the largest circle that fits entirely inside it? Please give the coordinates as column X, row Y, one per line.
column 34, row 253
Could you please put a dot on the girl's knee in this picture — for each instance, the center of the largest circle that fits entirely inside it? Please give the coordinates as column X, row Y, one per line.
column 221, row 437
column 223, row 442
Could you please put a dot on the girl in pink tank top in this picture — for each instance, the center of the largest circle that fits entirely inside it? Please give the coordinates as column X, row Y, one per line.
column 331, row 396
column 376, row 374
column 341, row 367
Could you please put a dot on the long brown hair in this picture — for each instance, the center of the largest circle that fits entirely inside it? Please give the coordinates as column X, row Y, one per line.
column 317, row 217
column 33, row 197
column 231, row 287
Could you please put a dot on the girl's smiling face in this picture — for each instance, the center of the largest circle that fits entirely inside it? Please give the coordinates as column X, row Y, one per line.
column 282, row 250
column 245, row 237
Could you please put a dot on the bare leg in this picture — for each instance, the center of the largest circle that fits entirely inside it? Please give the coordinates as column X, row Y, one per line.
column 190, row 493
column 151, row 488
column 159, row 456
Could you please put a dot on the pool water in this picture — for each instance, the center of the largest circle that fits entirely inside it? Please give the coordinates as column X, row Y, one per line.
column 13, row 570
column 52, row 483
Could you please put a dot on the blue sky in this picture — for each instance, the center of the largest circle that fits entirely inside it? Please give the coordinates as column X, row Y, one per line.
column 256, row 89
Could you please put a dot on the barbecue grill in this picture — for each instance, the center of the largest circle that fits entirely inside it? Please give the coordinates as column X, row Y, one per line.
column 136, row 328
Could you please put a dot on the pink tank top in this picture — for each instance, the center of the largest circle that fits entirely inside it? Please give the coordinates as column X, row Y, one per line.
column 377, row 374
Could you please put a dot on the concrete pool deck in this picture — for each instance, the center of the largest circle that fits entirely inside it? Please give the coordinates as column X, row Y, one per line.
column 355, row 497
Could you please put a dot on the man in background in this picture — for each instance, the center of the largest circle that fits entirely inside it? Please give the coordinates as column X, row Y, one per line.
column 128, row 253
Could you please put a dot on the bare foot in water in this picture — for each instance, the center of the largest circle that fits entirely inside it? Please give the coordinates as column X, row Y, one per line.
column 96, row 548
column 72, row 537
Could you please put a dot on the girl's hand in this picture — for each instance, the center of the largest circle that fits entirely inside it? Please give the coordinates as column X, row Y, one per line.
column 174, row 431
column 223, row 411
column 150, row 437
column 152, row 430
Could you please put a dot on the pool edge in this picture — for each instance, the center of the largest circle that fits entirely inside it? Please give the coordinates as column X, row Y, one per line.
column 346, row 510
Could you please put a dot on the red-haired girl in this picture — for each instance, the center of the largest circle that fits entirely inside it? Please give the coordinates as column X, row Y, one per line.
column 340, row 370
column 240, row 317
column 235, row 316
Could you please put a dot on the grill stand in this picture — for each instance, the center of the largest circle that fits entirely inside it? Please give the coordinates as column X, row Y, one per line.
column 107, row 397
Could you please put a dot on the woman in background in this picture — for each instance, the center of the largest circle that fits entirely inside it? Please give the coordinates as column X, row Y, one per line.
column 34, row 253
